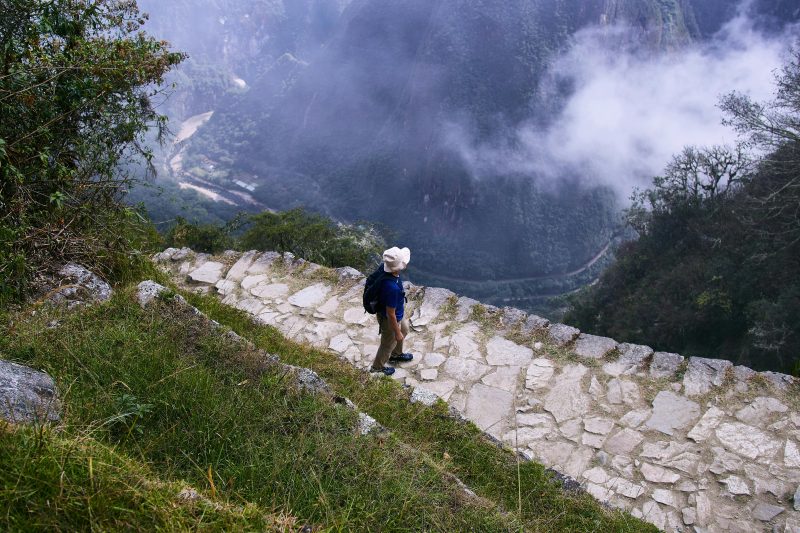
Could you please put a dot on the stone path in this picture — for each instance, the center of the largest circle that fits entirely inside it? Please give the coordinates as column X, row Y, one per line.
column 689, row 445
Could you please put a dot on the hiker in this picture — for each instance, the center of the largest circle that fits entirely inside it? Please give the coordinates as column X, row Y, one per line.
column 392, row 323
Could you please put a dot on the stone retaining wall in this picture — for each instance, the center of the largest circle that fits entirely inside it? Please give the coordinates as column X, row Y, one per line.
column 687, row 444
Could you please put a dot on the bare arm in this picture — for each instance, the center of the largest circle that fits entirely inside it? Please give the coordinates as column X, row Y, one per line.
column 392, row 316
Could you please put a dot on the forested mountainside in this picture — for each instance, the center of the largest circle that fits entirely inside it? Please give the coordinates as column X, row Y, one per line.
column 716, row 268
column 364, row 110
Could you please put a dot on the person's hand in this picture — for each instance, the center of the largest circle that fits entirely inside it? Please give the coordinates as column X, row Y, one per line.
column 399, row 336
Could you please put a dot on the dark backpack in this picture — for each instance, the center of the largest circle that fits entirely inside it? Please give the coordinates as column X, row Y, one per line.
column 372, row 290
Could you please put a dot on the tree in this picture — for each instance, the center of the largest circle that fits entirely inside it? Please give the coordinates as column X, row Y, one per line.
column 315, row 238
column 78, row 79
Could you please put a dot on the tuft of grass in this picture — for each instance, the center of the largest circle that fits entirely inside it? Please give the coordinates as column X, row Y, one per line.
column 56, row 482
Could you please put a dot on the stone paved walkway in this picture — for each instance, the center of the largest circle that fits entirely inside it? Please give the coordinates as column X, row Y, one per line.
column 697, row 444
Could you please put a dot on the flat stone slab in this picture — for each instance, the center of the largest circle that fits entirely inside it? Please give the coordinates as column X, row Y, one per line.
column 747, row 441
column 432, row 302
column 594, row 347
column 566, row 398
column 209, row 272
column 500, row 351
column 759, row 410
column 486, row 406
column 464, row 370
column 562, row 334
column 632, row 360
column 539, row 373
column 27, row 395
column 703, row 374
column 239, row 270
column 665, row 364
column 672, row 412
column 270, row 291
column 705, row 427
column 310, row 296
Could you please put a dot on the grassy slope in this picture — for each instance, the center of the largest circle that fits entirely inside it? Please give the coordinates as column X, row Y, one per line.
column 170, row 400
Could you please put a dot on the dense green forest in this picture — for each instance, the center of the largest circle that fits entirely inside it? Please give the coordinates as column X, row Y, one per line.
column 716, row 268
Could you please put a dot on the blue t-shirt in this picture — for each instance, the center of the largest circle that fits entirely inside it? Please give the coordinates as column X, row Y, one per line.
column 392, row 295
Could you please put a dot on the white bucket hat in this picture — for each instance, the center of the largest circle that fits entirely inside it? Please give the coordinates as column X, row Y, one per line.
column 396, row 259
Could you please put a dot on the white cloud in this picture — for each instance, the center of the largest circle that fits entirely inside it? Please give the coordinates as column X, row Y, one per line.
column 630, row 112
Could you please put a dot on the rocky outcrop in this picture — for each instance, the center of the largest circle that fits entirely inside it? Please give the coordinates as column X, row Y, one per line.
column 27, row 395
column 697, row 444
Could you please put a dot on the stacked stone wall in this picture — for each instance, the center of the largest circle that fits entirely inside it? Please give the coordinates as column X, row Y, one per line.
column 688, row 444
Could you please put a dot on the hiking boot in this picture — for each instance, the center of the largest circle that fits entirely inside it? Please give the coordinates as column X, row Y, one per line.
column 387, row 370
column 401, row 358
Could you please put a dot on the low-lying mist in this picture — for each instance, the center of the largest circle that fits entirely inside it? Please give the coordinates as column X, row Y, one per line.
column 627, row 111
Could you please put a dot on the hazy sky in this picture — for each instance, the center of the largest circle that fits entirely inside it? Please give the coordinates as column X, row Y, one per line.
column 630, row 113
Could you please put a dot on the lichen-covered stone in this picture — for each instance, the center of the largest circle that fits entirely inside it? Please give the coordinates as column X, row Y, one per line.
column 27, row 395
column 702, row 374
column 665, row 364
column 561, row 334
column 593, row 347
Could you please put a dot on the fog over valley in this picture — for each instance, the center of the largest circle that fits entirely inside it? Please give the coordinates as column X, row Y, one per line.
column 498, row 140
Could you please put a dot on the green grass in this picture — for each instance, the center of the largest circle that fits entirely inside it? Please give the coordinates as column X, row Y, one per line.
column 161, row 388
column 55, row 482
column 160, row 393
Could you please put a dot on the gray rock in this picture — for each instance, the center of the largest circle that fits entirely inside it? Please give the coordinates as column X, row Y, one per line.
column 348, row 273
column 742, row 373
column 656, row 474
column 165, row 256
column 513, row 316
column 501, row 351
column 535, row 323
column 736, row 485
column 623, row 391
column 310, row 296
column 424, row 396
column 766, row 512
column 78, row 285
column 781, row 381
column 263, row 263
column 27, row 395
column 239, row 270
column 796, row 499
column 759, row 411
column 486, row 406
column 594, row 347
column 632, row 360
column 623, row 442
column 561, row 334
column 703, row 374
column 665, row 364
column 367, row 424
column 747, row 440
column 433, row 300
column 181, row 254
column 539, row 373
column 147, row 291
column 707, row 424
column 672, row 412
column 464, row 308
column 210, row 272
column 566, row 399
